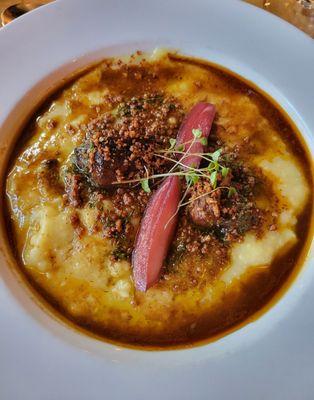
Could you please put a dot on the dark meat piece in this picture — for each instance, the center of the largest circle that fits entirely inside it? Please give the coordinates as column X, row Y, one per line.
column 204, row 210
column 100, row 172
column 119, row 146
column 103, row 172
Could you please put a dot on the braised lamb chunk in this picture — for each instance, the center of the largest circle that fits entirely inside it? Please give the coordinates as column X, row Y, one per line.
column 227, row 215
column 100, row 172
column 204, row 208
column 120, row 145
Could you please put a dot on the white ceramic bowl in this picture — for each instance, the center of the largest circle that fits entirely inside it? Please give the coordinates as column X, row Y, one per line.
column 42, row 358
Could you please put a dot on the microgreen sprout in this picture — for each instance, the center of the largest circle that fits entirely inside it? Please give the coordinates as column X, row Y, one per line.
column 172, row 143
column 213, row 179
column 145, row 185
column 203, row 141
column 232, row 191
column 145, row 182
column 197, row 133
column 176, row 154
column 224, row 171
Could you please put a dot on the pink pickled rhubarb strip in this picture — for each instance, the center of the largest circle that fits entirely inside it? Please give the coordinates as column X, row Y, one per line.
column 200, row 117
column 160, row 218
column 156, row 232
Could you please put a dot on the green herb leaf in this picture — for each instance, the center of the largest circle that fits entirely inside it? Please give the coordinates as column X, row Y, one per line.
column 192, row 178
column 224, row 171
column 195, row 178
column 211, row 166
column 197, row 133
column 188, row 179
column 203, row 141
column 213, row 179
column 232, row 191
column 145, row 185
column 215, row 156
column 172, row 143
column 180, row 147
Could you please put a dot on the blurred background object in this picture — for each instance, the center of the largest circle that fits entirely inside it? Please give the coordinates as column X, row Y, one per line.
column 11, row 9
column 298, row 12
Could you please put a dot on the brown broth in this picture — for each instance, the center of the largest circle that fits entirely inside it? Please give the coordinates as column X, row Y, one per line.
column 258, row 292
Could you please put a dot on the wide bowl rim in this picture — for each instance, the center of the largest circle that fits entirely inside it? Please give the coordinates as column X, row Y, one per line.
column 36, row 84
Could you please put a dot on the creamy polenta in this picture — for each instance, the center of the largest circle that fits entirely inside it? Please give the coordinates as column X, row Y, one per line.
column 72, row 248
